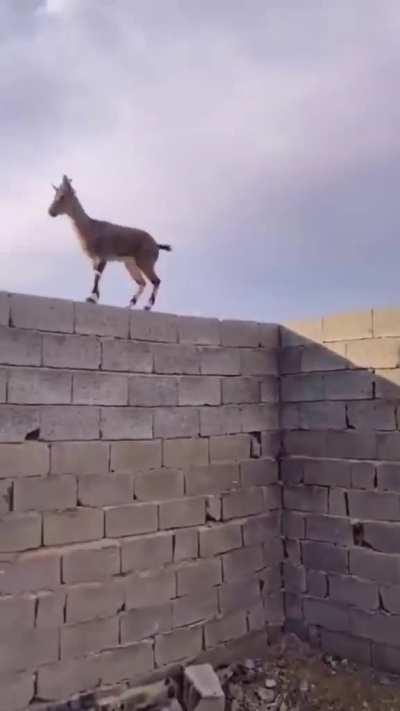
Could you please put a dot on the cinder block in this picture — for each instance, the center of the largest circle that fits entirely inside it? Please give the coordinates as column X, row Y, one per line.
column 127, row 457
column 6, row 494
column 148, row 589
column 87, row 637
column 17, row 613
column 153, row 391
column 324, row 556
column 390, row 598
column 240, row 595
column 387, row 383
column 299, row 333
column 293, row 470
column 337, row 504
column 259, row 362
column 118, row 354
column 290, row 416
column 62, row 351
column 294, row 577
column 346, row 646
column 327, row 472
column 154, row 327
column 374, row 505
column 36, row 570
column 290, row 360
column 261, row 529
column 19, row 347
column 176, row 358
column 324, row 358
column 294, row 524
column 219, row 361
column 374, row 353
column 39, row 387
column 146, row 552
column 363, row 475
column 202, row 689
column 384, row 657
column 176, row 422
column 227, row 628
column 322, row 416
column 62, row 679
column 101, row 320
column 260, row 417
column 350, row 445
column 293, row 607
column 79, row 457
column 3, row 383
column 271, row 445
column 17, row 690
column 220, row 420
column 212, row 478
column 349, row 385
column 117, row 665
column 304, row 444
column 179, row 513
column 198, row 607
column 256, row 618
column 269, row 389
column 159, row 484
column 20, row 532
column 90, row 562
column 388, row 476
column 245, row 502
column 183, row 453
column 99, row 490
column 68, row 423
column 200, row 575
column 353, row 591
column 303, row 388
column 348, row 326
column 330, row 529
column 258, row 472
column 377, row 627
column 42, row 314
column 180, row 644
column 39, row 494
column 202, row 331
column 371, row 415
column 241, row 563
column 388, row 445
column 88, row 601
column 317, row 583
column 306, row 498
column 219, row 539
column 50, row 609
column 375, row 566
column 4, row 308
column 230, row 448
column 240, row 390
column 100, row 389
column 274, row 610
column 384, row 537
column 269, row 335
column 199, row 390
column 28, row 649
column 136, row 625
column 326, row 614
column 186, row 544
column 126, row 423
column 72, row 526
column 270, row 579
column 240, row 333
column 130, row 519
column 17, row 421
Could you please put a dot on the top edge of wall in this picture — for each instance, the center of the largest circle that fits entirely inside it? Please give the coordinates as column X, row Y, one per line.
column 343, row 326
column 42, row 313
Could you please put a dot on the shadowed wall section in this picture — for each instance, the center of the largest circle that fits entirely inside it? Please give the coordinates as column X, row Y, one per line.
column 340, row 468
column 139, row 499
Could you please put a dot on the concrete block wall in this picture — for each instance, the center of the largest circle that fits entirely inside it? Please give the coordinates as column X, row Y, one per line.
column 140, row 507
column 340, row 468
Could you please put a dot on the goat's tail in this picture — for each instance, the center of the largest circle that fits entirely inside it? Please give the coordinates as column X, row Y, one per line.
column 166, row 247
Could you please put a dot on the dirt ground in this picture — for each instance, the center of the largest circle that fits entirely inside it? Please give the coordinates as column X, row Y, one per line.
column 295, row 677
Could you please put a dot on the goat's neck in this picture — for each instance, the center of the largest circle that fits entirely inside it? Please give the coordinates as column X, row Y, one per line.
column 79, row 217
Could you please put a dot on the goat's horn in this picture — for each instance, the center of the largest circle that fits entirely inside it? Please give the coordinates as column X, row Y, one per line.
column 54, row 187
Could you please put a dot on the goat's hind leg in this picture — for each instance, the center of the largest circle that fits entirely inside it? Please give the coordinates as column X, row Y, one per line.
column 98, row 267
column 148, row 270
column 137, row 276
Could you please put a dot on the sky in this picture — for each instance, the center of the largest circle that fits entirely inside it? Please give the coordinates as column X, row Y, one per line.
column 260, row 138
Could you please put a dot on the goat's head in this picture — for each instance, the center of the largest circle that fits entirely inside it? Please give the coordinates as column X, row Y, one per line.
column 62, row 198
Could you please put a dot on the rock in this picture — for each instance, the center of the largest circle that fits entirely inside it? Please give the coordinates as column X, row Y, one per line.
column 270, row 683
column 265, row 694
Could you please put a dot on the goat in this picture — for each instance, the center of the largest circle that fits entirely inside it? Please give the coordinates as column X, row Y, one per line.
column 106, row 242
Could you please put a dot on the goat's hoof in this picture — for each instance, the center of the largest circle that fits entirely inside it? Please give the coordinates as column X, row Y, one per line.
column 89, row 300
column 147, row 307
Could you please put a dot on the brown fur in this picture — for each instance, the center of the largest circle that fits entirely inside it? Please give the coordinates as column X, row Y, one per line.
column 104, row 242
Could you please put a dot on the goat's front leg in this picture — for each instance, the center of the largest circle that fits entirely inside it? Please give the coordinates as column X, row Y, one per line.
column 98, row 266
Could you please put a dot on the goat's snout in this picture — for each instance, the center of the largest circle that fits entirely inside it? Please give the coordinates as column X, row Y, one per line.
column 51, row 212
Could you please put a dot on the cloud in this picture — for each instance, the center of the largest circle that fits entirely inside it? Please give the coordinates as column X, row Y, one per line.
column 255, row 138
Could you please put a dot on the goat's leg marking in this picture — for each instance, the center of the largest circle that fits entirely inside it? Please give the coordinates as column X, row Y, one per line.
column 137, row 276
column 98, row 271
column 153, row 295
